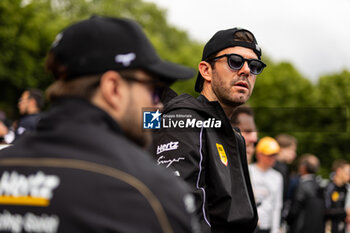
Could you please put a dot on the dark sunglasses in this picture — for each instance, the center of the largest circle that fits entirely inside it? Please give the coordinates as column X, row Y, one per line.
column 157, row 87
column 236, row 62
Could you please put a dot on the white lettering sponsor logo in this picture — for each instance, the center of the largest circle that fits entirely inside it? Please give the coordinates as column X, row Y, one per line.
column 126, row 59
column 21, row 130
column 189, row 203
column 43, row 223
column 9, row 222
column 30, row 222
column 36, row 189
column 57, row 40
column 166, row 147
column 191, row 123
column 168, row 162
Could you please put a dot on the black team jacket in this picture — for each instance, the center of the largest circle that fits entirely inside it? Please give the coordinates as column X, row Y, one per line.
column 335, row 200
column 79, row 173
column 211, row 158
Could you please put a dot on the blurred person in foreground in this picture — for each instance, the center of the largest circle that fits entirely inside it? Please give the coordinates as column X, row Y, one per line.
column 84, row 170
column 335, row 197
column 267, row 185
column 206, row 152
column 243, row 118
column 307, row 209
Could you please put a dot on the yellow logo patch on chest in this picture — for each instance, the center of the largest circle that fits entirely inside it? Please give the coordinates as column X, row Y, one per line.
column 335, row 196
column 222, row 154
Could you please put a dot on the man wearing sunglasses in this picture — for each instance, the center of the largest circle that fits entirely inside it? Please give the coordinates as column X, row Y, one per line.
column 84, row 170
column 212, row 160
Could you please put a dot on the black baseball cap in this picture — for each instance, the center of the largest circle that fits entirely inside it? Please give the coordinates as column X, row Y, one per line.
column 224, row 39
column 99, row 44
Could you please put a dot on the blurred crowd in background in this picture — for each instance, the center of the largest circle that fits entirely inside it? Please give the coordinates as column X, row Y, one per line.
column 29, row 106
column 293, row 198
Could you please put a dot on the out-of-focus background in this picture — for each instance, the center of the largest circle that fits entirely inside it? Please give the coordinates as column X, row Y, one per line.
column 304, row 91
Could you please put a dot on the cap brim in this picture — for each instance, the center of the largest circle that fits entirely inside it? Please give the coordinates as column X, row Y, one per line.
column 170, row 72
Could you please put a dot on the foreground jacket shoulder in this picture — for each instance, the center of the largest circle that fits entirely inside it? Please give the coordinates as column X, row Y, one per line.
column 91, row 178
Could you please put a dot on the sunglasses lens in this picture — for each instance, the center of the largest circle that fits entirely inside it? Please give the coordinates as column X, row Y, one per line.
column 235, row 62
column 256, row 66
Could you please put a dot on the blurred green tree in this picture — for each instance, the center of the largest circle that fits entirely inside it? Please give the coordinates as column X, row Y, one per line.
column 26, row 31
column 332, row 91
column 316, row 114
column 27, row 28
column 279, row 94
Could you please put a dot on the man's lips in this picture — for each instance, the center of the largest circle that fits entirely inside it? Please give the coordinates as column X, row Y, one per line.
column 241, row 84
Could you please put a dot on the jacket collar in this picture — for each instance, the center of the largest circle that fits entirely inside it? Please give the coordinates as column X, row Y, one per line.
column 77, row 111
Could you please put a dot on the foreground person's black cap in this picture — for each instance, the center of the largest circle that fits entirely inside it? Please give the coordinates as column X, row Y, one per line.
column 100, row 44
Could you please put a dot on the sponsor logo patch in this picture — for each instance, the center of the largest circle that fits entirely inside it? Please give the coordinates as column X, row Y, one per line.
column 335, row 196
column 222, row 154
column 166, row 147
column 125, row 59
column 168, row 162
column 33, row 190
column 28, row 222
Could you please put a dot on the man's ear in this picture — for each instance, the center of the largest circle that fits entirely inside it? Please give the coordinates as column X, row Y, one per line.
column 205, row 69
column 111, row 88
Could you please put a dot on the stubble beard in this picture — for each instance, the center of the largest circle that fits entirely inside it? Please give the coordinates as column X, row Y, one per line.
column 132, row 126
column 224, row 94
